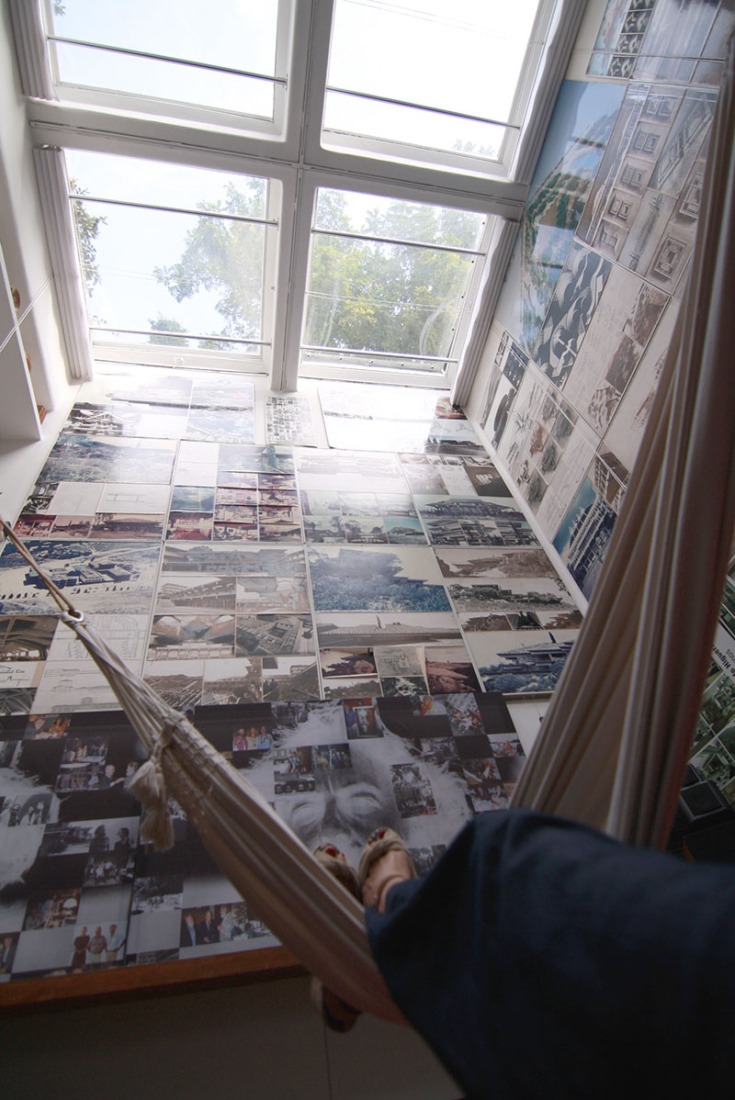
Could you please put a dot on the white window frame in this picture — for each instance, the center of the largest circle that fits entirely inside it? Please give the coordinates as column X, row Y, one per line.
column 297, row 160
column 129, row 103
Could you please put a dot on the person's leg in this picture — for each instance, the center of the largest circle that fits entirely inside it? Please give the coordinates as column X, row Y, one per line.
column 539, row 957
column 336, row 1013
column 385, row 862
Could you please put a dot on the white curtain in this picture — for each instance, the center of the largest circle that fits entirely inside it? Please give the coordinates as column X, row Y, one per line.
column 613, row 747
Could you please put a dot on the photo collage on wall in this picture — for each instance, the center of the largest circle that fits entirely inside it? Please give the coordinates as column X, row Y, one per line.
column 590, row 303
column 79, row 892
column 341, row 622
column 713, row 751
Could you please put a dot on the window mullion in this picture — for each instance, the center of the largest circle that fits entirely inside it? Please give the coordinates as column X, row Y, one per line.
column 291, row 288
column 30, row 42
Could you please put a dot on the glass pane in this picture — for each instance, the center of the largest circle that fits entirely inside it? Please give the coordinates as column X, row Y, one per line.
column 221, row 32
column 411, row 126
column 129, row 179
column 374, row 361
column 165, row 271
column 384, row 298
column 166, row 81
column 396, row 50
column 378, row 216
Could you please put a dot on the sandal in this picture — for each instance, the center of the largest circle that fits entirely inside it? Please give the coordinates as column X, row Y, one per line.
column 385, row 860
column 336, row 1013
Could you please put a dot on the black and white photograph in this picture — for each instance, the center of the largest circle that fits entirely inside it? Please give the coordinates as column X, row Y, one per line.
column 234, row 681
column 624, row 321
column 273, row 635
column 290, row 419
column 116, row 577
column 504, row 564
column 541, row 593
column 370, row 630
column 178, row 682
column 575, row 300
column 287, row 678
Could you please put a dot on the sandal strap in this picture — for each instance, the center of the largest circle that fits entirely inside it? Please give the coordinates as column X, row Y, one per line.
column 388, row 841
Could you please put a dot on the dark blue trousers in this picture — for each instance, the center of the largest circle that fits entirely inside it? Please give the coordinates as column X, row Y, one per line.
column 541, row 959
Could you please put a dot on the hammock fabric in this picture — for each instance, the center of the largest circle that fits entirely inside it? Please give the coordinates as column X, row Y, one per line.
column 613, row 748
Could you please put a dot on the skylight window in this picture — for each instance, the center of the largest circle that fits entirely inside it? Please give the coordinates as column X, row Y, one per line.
column 172, row 255
column 159, row 57
column 428, row 76
column 388, row 281
column 317, row 187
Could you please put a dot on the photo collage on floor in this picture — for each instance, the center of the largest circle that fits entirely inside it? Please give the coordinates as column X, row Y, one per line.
column 341, row 622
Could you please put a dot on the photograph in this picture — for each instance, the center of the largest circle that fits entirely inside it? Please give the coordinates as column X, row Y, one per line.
column 584, row 534
column 154, row 893
column 252, row 459
column 347, row 662
column 348, row 687
column 107, row 525
column 193, row 498
column 525, row 663
column 289, row 419
column 223, row 391
column 26, row 637
column 221, row 425
column 187, row 593
column 362, row 579
column 491, row 562
column 625, row 318
column 350, row 471
column 396, row 661
column 185, row 637
column 361, row 718
column 412, row 790
column 449, row 670
column 286, row 678
column 88, row 458
column 233, row 681
column 273, row 635
column 542, row 593
column 397, row 629
column 404, row 686
column 179, row 683
column 117, row 577
column 577, row 294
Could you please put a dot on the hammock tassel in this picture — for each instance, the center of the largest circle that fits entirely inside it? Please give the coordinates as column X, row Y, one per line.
column 148, row 785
